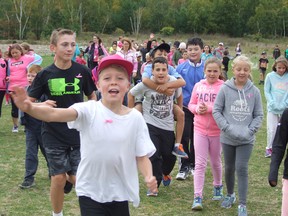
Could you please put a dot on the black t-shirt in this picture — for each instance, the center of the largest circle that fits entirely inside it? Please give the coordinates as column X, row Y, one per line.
column 263, row 62
column 66, row 87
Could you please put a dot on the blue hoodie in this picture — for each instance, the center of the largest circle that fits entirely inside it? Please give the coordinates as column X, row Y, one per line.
column 238, row 113
column 191, row 73
column 276, row 92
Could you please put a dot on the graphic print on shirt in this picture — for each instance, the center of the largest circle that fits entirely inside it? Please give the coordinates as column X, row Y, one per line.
column 240, row 110
column 59, row 87
column 206, row 94
column 17, row 63
column 160, row 105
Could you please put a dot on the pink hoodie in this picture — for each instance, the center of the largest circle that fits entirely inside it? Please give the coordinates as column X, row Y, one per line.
column 18, row 73
column 203, row 92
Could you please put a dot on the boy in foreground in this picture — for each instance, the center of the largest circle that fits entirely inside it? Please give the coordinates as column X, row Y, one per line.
column 106, row 180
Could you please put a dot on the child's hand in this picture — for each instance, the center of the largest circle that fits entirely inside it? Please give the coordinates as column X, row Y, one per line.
column 202, row 108
column 162, row 88
column 152, row 36
column 151, row 183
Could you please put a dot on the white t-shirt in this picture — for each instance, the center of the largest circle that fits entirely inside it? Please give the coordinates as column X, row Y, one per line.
column 109, row 146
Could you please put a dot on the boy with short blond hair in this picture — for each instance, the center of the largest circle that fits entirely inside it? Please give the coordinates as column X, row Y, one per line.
column 106, row 180
column 64, row 82
column 33, row 136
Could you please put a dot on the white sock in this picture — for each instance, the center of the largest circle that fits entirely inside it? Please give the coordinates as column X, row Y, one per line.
column 176, row 144
column 58, row 214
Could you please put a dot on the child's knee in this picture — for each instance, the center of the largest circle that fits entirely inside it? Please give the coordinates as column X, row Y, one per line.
column 178, row 113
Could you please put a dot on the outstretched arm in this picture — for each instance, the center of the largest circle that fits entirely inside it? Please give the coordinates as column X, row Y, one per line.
column 44, row 113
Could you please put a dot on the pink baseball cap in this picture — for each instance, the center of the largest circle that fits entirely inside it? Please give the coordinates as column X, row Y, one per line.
column 115, row 60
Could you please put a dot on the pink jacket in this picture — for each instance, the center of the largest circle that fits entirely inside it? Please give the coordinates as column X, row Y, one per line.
column 203, row 92
column 3, row 68
column 129, row 56
column 18, row 71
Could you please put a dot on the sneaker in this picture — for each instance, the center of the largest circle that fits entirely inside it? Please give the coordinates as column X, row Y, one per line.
column 68, row 187
column 179, row 151
column 167, row 179
column 27, row 184
column 152, row 194
column 15, row 129
column 183, row 174
column 242, row 210
column 229, row 200
column 197, row 204
column 217, row 193
column 192, row 170
column 268, row 153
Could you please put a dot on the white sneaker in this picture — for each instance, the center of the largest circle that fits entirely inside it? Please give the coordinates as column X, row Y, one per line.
column 192, row 171
column 15, row 129
column 181, row 175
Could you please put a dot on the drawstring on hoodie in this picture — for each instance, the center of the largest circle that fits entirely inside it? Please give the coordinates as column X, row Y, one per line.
column 244, row 98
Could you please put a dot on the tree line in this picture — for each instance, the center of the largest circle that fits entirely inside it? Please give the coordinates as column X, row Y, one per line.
column 34, row 19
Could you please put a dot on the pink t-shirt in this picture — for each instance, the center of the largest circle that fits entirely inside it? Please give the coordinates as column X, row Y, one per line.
column 170, row 56
column 180, row 61
column 18, row 71
column 3, row 67
column 129, row 56
column 80, row 60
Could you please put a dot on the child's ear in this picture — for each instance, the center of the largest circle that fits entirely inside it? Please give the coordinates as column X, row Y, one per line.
column 52, row 48
column 98, row 86
column 128, row 86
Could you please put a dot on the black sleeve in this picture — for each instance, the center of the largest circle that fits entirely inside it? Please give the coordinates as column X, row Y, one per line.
column 87, row 49
column 89, row 86
column 279, row 146
column 149, row 45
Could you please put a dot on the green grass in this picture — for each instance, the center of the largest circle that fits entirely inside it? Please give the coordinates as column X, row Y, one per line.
column 173, row 200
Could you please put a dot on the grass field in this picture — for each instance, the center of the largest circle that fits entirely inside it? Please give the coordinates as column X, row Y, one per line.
column 173, row 200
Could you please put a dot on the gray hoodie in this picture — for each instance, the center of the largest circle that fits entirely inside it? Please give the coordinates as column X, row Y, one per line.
column 238, row 113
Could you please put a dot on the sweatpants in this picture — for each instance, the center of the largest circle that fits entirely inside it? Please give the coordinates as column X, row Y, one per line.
column 237, row 158
column 206, row 146
column 163, row 160
column 272, row 122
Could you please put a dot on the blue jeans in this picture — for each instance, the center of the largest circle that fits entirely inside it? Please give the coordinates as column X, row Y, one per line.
column 33, row 142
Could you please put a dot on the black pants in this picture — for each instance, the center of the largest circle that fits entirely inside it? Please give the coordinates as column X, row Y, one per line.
column 163, row 160
column 14, row 110
column 188, row 139
column 2, row 94
column 89, row 207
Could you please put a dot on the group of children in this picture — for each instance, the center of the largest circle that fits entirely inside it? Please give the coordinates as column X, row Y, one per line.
column 212, row 116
